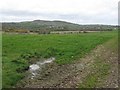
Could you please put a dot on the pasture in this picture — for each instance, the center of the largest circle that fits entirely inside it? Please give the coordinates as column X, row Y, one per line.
column 19, row 50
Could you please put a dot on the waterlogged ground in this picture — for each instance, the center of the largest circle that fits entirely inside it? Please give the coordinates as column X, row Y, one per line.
column 22, row 52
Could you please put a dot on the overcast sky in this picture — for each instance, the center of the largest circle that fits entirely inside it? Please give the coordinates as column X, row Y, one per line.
column 76, row 11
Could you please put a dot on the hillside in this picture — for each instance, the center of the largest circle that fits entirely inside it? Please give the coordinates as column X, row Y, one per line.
column 42, row 25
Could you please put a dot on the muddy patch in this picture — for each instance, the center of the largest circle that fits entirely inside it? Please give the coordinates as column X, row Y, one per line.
column 54, row 75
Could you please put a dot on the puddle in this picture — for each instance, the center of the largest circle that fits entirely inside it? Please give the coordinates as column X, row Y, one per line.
column 37, row 67
column 34, row 67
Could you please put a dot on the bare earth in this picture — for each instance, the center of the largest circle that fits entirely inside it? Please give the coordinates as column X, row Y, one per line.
column 73, row 75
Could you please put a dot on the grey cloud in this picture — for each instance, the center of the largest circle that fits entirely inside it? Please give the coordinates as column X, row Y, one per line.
column 81, row 18
column 21, row 13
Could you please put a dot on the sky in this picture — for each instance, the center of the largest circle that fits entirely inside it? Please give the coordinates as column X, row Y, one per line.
column 76, row 11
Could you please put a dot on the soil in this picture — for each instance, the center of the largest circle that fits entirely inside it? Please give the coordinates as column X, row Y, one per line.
column 72, row 75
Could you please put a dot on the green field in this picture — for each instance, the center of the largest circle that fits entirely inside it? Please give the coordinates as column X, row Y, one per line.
column 19, row 50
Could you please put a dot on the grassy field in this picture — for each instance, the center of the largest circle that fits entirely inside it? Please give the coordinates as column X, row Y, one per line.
column 19, row 51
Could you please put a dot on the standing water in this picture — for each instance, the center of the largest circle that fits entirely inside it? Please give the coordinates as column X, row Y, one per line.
column 35, row 67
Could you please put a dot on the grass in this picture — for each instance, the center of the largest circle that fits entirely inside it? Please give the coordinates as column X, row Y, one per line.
column 92, row 80
column 19, row 51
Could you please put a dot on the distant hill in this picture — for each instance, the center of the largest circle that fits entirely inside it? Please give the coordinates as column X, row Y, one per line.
column 42, row 25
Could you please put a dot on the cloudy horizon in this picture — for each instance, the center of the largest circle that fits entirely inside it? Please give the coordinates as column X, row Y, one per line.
column 75, row 11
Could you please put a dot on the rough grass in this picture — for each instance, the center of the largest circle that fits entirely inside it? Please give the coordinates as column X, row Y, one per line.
column 19, row 51
column 92, row 80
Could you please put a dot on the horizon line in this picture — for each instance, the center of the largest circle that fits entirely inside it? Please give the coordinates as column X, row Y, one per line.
column 58, row 20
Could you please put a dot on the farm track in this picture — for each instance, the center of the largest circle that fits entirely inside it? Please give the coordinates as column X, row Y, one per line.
column 73, row 75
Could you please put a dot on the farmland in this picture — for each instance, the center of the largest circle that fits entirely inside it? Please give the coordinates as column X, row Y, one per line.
column 19, row 50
